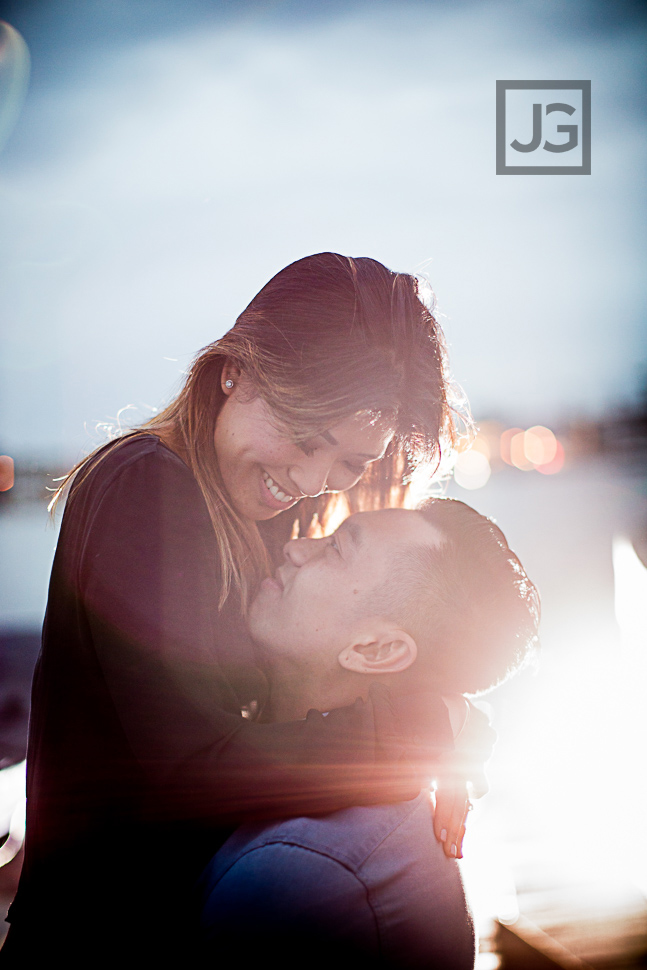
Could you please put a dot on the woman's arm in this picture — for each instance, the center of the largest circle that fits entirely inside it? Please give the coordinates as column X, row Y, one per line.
column 148, row 575
column 460, row 774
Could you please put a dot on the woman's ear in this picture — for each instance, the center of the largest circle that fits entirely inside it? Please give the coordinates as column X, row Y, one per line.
column 230, row 376
column 391, row 652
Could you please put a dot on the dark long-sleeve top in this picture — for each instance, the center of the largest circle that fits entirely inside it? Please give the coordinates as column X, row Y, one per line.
column 139, row 761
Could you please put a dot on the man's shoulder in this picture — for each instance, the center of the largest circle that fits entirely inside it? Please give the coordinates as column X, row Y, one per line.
column 351, row 836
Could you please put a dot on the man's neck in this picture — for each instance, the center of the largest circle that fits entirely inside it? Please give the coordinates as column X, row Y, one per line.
column 293, row 694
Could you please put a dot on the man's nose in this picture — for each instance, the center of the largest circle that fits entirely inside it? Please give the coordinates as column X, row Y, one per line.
column 301, row 551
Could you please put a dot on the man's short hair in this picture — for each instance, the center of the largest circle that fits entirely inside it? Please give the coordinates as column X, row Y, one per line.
column 469, row 604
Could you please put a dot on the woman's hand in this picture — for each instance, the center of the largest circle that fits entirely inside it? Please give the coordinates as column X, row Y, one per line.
column 461, row 773
column 451, row 809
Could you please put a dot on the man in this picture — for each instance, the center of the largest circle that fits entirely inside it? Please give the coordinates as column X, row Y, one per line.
column 431, row 599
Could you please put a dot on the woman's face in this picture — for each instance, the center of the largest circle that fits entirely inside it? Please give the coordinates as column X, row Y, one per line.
column 266, row 472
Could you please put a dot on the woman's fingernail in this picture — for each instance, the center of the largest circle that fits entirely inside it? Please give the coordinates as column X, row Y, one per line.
column 443, row 835
column 453, row 850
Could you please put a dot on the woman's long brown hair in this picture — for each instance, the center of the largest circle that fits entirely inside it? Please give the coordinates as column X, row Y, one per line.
column 328, row 337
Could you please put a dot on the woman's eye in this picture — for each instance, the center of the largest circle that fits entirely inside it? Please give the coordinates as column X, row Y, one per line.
column 334, row 544
column 357, row 470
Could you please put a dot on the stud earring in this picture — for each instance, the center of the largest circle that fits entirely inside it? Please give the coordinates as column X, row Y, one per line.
column 229, row 384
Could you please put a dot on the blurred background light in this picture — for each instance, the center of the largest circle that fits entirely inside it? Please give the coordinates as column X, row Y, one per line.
column 6, row 473
column 518, row 455
column 556, row 463
column 12, row 811
column 540, row 445
column 472, row 469
column 630, row 596
column 506, row 444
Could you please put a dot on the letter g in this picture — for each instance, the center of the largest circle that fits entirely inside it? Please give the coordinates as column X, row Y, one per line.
column 571, row 129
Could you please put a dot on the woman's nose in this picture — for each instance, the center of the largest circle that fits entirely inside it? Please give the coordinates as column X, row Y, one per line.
column 310, row 476
column 301, row 551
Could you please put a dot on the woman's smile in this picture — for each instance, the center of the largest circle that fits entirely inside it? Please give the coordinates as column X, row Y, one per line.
column 273, row 495
column 265, row 471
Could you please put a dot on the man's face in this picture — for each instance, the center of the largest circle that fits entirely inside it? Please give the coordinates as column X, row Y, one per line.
column 320, row 599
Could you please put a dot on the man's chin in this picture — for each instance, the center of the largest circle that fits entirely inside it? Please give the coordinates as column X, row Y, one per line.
column 255, row 612
column 257, row 630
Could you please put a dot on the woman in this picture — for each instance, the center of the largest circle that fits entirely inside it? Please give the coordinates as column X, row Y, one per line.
column 333, row 380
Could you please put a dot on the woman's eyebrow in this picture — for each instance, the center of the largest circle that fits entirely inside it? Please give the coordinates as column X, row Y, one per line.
column 327, row 436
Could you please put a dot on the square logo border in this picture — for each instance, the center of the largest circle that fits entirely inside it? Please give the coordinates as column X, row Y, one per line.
column 503, row 169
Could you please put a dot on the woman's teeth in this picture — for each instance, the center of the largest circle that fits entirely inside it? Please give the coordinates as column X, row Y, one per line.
column 275, row 490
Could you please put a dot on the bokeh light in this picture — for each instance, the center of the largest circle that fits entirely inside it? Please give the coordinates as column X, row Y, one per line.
column 535, row 449
column 6, row 473
column 556, row 464
column 472, row 470
column 518, row 455
column 540, row 445
column 506, row 443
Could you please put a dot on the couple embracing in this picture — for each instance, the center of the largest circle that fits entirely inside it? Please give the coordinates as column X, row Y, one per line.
column 238, row 708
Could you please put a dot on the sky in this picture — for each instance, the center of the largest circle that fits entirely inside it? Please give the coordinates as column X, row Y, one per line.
column 170, row 157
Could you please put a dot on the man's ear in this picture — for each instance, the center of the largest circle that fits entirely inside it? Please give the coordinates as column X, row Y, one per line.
column 391, row 652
